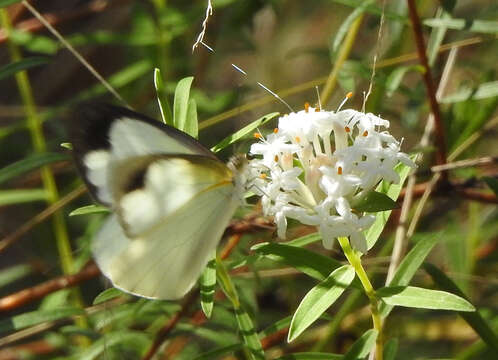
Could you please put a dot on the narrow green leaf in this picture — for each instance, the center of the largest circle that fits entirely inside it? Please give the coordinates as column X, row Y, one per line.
column 243, row 132
column 180, row 104
column 29, row 163
column 207, row 283
column 89, row 209
column 415, row 297
column 24, row 64
column 162, row 98
column 474, row 319
column 249, row 334
column 362, row 346
column 311, row 356
column 319, row 299
column 391, row 190
column 14, row 273
column 391, row 349
column 216, row 353
column 10, row 197
column 192, row 124
column 346, row 24
column 492, row 183
column 437, row 36
column 305, row 240
column 376, row 201
column 410, row 264
column 107, row 294
column 4, row 3
column 28, row 319
column 483, row 91
column 312, row 264
column 478, row 26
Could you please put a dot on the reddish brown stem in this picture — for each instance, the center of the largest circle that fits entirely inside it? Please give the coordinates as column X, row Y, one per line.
column 39, row 291
column 429, row 84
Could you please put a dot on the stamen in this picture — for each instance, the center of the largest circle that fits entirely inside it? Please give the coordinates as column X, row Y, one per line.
column 306, row 107
column 319, row 101
column 298, row 139
column 317, row 109
column 276, row 158
column 347, row 129
column 257, row 136
column 339, row 170
column 365, row 133
column 348, row 96
column 263, row 176
column 275, row 130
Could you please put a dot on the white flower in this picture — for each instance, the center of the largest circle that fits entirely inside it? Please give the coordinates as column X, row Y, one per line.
column 316, row 163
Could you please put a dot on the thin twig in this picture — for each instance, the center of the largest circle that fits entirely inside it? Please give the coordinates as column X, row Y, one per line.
column 465, row 163
column 39, row 291
column 429, row 83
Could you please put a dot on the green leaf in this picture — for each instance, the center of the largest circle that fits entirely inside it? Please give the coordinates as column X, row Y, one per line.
column 89, row 209
column 415, row 297
column 492, row 183
column 391, row 349
column 243, row 132
column 162, row 98
column 479, row 26
column 474, row 319
column 107, row 294
column 216, row 353
column 180, row 104
column 4, row 3
column 31, row 162
column 391, row 190
column 10, row 197
column 311, row 356
column 362, row 346
column 28, row 319
column 192, row 125
column 276, row 326
column 483, row 91
column 14, row 273
column 305, row 240
column 24, row 64
column 207, row 283
column 346, row 25
column 375, row 202
column 319, row 299
column 409, row 266
column 312, row 264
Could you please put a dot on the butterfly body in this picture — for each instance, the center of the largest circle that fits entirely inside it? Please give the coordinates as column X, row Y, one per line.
column 171, row 199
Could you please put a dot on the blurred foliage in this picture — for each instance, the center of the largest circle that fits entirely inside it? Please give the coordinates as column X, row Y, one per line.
column 290, row 46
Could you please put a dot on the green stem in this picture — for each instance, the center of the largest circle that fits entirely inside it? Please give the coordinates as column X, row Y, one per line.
column 342, row 55
column 355, row 261
column 35, row 128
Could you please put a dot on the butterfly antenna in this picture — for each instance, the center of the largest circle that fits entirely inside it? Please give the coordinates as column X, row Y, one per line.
column 200, row 37
column 72, row 50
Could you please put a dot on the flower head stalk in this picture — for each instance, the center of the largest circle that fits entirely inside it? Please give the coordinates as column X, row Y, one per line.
column 317, row 164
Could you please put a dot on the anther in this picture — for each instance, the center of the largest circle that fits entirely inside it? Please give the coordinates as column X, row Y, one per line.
column 276, row 158
column 365, row 133
column 347, row 129
column 275, row 130
column 298, row 139
column 349, row 95
column 339, row 170
column 263, row 176
column 258, row 135
column 317, row 109
column 306, row 106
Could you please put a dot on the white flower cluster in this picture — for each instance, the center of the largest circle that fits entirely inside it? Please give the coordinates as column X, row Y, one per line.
column 300, row 174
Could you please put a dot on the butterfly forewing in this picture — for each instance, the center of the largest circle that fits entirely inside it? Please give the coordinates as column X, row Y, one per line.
column 102, row 133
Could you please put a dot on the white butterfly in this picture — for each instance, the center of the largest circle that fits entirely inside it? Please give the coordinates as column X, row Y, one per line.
column 171, row 199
